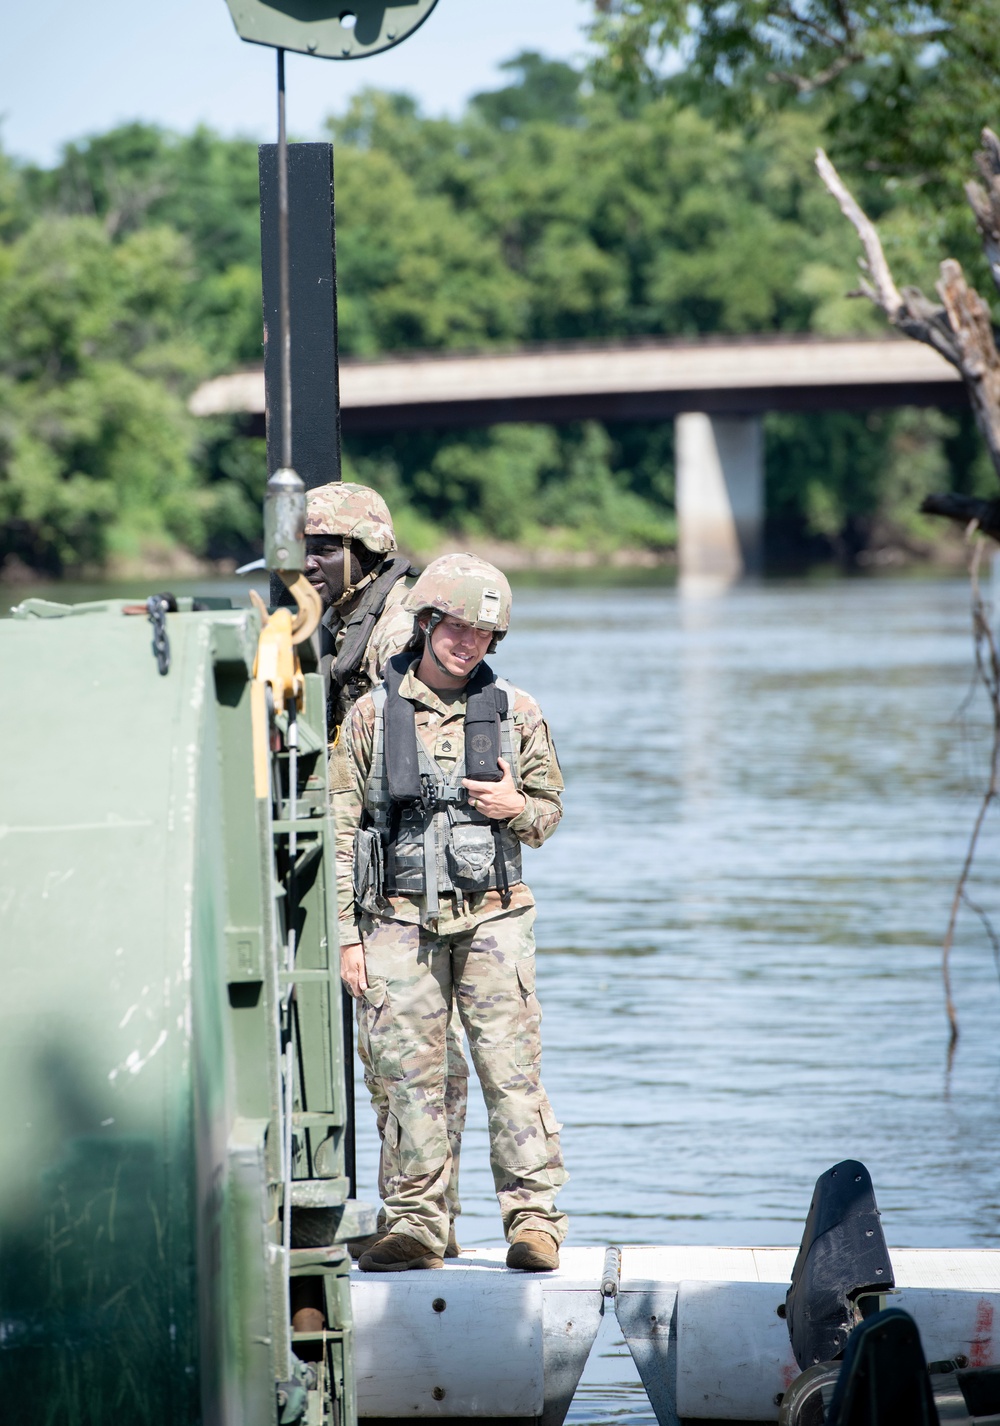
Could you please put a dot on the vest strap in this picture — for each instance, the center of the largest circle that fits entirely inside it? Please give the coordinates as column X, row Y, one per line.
column 400, row 734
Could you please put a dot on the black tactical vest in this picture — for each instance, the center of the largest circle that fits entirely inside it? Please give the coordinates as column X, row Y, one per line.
column 419, row 824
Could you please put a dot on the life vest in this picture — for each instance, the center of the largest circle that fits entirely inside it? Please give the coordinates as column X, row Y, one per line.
column 420, row 837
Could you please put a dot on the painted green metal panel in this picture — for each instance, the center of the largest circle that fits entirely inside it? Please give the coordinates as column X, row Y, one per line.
column 141, row 1274
column 103, row 912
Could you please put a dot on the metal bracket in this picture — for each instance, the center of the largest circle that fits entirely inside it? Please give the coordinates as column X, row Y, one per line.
column 333, row 29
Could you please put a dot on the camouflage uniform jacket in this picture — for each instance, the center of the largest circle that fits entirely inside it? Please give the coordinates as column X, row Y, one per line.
column 441, row 728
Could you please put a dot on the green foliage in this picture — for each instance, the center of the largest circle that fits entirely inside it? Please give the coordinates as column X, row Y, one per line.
column 550, row 211
column 415, row 273
column 904, row 80
column 491, row 478
column 137, row 175
column 611, row 227
column 12, row 202
column 854, row 484
column 900, row 89
column 94, row 437
column 545, row 91
column 237, row 463
column 525, row 483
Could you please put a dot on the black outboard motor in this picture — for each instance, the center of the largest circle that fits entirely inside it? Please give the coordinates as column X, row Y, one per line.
column 842, row 1260
column 841, row 1269
column 884, row 1377
column 833, row 1311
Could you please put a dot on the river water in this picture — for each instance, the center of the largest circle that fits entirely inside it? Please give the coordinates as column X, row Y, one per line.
column 740, row 918
column 768, row 798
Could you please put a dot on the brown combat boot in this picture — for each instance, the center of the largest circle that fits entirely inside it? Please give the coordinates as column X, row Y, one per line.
column 398, row 1253
column 533, row 1252
column 357, row 1247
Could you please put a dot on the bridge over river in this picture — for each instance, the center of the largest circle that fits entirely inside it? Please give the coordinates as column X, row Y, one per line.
column 715, row 388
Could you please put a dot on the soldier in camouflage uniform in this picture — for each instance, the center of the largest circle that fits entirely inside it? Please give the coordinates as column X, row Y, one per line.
column 351, row 563
column 438, row 778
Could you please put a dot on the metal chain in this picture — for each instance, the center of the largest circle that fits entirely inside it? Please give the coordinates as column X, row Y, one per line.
column 156, row 611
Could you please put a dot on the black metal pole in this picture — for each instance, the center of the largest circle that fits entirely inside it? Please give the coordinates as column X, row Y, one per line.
column 283, row 299
column 350, row 1151
column 312, row 305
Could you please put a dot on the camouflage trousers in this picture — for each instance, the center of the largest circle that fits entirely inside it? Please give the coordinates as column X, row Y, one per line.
column 414, row 979
column 456, row 1101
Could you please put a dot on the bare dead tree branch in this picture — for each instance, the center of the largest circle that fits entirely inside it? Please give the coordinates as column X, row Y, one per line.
column 802, row 23
column 885, row 293
column 965, row 508
column 809, row 83
column 988, row 927
column 959, row 328
column 985, row 201
column 988, row 667
column 807, row 25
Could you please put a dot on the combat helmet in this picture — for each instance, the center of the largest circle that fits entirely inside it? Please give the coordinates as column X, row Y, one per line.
column 355, row 512
column 465, row 587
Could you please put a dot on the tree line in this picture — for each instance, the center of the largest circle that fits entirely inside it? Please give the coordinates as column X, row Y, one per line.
column 559, row 207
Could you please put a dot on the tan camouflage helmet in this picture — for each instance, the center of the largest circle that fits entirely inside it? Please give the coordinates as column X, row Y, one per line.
column 355, row 512
column 466, row 587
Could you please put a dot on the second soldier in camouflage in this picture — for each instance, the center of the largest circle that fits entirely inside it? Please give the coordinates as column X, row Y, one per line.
column 438, row 779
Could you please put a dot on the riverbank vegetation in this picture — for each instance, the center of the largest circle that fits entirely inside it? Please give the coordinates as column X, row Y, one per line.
column 556, row 209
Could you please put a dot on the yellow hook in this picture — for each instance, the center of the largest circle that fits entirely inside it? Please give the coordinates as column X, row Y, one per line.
column 276, row 663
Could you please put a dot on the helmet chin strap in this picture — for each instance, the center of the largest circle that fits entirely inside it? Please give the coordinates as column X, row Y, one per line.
column 351, row 589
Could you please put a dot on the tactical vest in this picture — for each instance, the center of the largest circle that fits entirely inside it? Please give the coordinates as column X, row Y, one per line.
column 421, row 837
column 343, row 680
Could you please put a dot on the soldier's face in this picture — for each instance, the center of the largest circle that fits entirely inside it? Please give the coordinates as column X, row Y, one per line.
column 325, row 566
column 460, row 646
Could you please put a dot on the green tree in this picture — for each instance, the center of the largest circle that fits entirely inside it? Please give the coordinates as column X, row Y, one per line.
column 201, row 186
column 415, row 272
column 618, row 226
column 905, row 83
column 550, row 211
column 139, row 174
column 94, row 438
column 545, row 90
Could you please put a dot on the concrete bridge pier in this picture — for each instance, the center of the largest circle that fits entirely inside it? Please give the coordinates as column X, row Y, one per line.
column 720, row 496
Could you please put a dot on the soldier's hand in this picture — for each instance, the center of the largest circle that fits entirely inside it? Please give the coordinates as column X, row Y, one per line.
column 496, row 800
column 352, row 968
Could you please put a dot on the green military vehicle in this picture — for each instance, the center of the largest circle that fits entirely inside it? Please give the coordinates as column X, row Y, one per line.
column 176, row 1166
column 174, row 1187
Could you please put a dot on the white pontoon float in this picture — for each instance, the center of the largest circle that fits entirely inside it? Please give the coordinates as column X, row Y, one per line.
column 706, row 1327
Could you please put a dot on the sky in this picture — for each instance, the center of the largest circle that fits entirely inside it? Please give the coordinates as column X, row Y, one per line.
column 68, row 69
